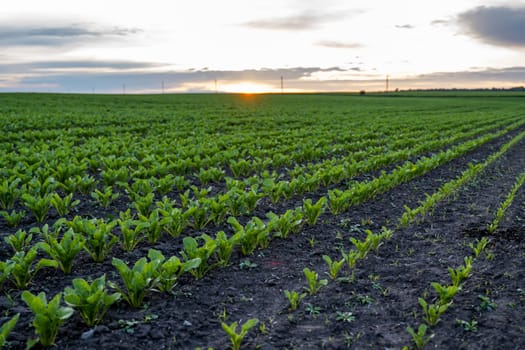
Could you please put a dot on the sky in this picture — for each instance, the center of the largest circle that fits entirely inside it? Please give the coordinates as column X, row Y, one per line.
column 174, row 46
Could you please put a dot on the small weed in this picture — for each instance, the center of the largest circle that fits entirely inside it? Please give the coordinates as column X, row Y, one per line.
column 346, row 316
column 312, row 241
column 486, row 303
column 471, row 326
column 365, row 299
column 312, row 310
column 351, row 338
column 247, row 264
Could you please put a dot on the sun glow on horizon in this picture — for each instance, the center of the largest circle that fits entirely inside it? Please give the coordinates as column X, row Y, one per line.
column 246, row 87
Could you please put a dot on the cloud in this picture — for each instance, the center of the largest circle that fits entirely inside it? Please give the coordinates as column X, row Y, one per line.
column 136, row 81
column 338, row 44
column 509, row 74
column 57, row 35
column 501, row 26
column 199, row 80
column 439, row 22
column 303, row 21
column 405, row 26
column 86, row 65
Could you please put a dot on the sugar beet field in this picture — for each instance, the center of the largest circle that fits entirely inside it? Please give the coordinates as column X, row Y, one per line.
column 262, row 221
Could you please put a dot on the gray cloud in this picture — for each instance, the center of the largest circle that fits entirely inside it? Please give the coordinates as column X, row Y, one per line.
column 199, row 80
column 510, row 74
column 303, row 21
column 78, row 81
column 502, row 26
column 439, row 22
column 405, row 26
column 58, row 35
column 44, row 66
column 338, row 44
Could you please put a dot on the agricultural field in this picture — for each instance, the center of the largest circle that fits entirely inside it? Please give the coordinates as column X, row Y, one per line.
column 262, row 221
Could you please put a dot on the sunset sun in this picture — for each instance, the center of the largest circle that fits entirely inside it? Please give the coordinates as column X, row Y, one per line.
column 246, row 88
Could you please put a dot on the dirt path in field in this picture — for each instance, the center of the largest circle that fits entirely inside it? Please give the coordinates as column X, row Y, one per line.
column 370, row 308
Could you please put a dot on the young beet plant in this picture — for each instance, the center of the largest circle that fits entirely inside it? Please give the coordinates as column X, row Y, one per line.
column 192, row 251
column 13, row 218
column 333, row 266
column 460, row 273
column 445, row 293
column 432, row 312
column 97, row 234
column 48, row 316
column 420, row 338
column 21, row 268
column 313, row 211
column 131, row 231
column 170, row 271
column 6, row 328
column 64, row 251
column 91, row 300
column 38, row 205
column 314, row 284
column 479, row 246
column 289, row 222
column 294, row 299
column 225, row 247
column 137, row 280
column 237, row 338
column 9, row 193
column 19, row 241
column 63, row 205
column 104, row 197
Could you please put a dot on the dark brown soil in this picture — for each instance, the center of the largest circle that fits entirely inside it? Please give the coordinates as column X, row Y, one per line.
column 381, row 293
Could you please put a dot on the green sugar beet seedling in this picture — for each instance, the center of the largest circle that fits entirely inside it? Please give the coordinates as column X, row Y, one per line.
column 132, row 233
column 420, row 338
column 13, row 218
column 432, row 312
column 48, row 317
column 460, row 273
column 237, row 338
column 63, row 252
column 21, row 268
column 9, row 193
column 192, row 250
column 333, row 266
column 38, row 205
column 63, row 205
column 169, row 272
column 6, row 328
column 139, row 279
column 445, row 293
column 479, row 246
column 97, row 234
column 19, row 241
column 294, row 299
column 225, row 247
column 313, row 211
column 104, row 197
column 91, row 300
column 314, row 284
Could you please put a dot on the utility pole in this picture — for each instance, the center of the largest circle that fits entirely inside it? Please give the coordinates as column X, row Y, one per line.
column 216, row 91
column 163, row 87
column 282, row 85
column 387, row 77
